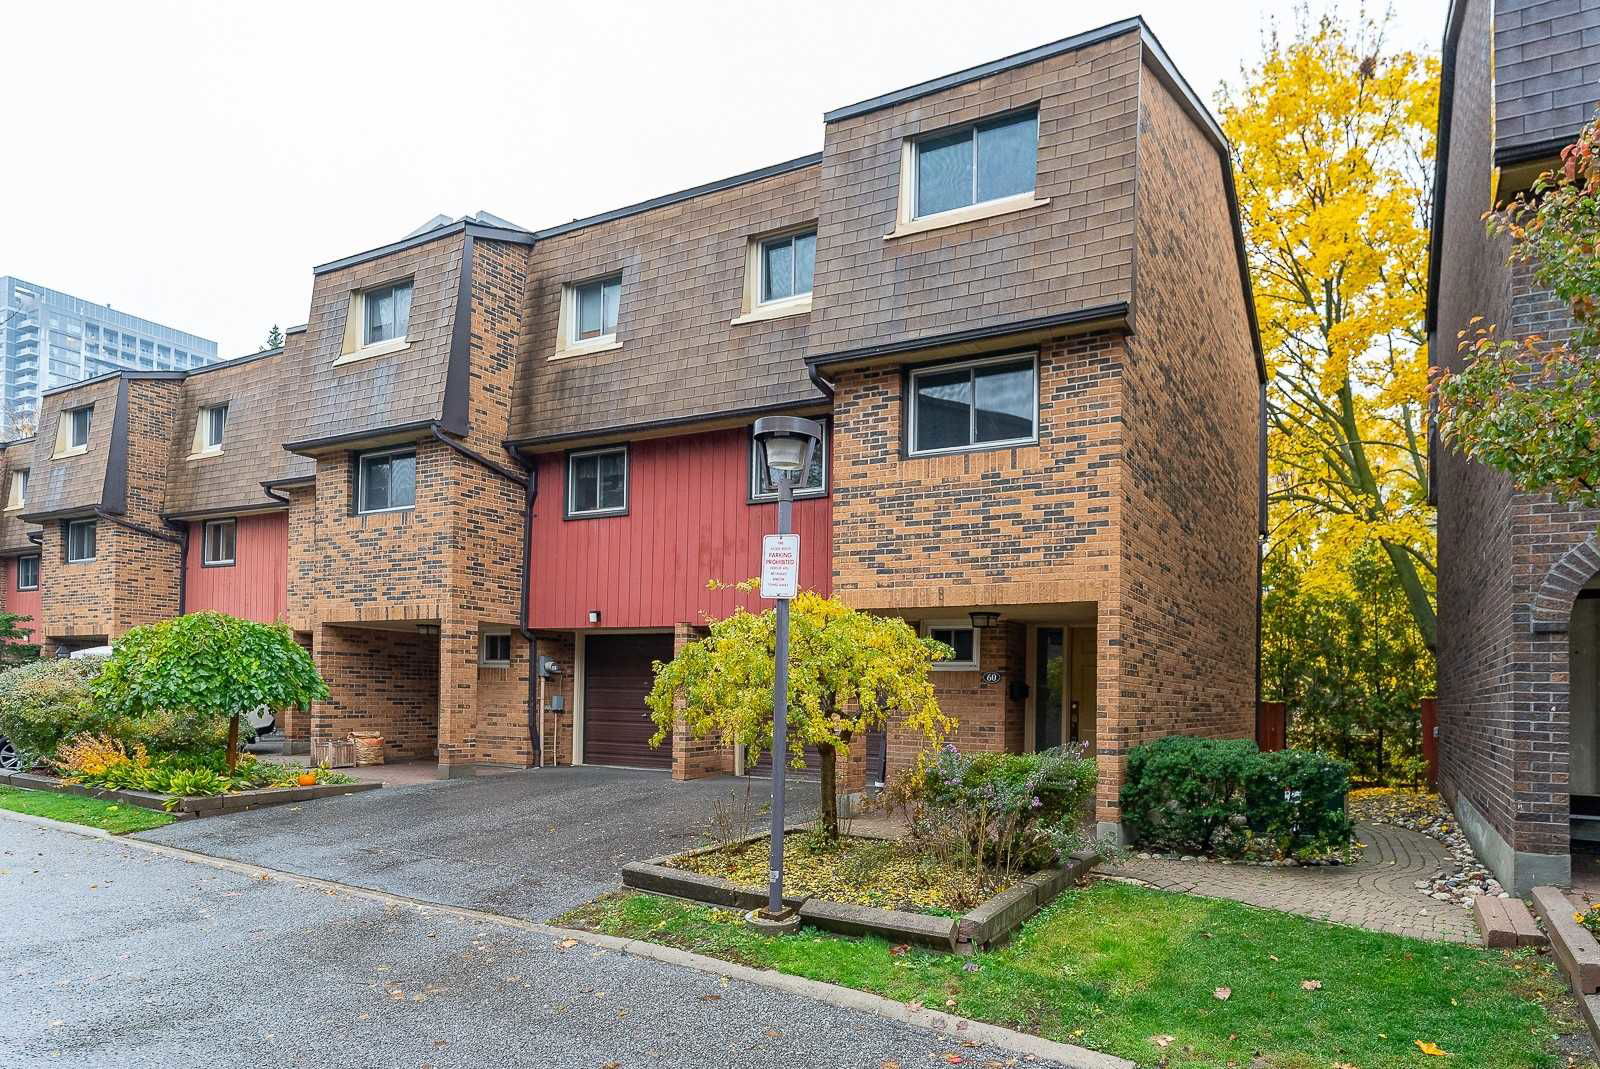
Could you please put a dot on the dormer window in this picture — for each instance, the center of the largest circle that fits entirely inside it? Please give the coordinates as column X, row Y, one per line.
column 210, row 425
column 17, row 496
column 589, row 312
column 72, row 431
column 986, row 161
column 387, row 312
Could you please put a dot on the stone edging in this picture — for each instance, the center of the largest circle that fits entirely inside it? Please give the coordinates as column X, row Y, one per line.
column 988, row 924
column 190, row 807
column 1032, row 1047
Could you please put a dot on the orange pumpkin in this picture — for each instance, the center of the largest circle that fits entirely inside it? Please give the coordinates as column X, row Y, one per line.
column 308, row 779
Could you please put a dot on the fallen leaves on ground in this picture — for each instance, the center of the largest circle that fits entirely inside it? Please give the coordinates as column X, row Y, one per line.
column 1311, row 985
column 1431, row 1049
column 1163, row 1041
column 1223, row 994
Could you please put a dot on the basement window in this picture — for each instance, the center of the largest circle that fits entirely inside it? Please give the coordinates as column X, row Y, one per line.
column 494, row 649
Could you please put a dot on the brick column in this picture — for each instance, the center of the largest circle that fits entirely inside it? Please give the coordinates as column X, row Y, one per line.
column 695, row 758
column 458, row 698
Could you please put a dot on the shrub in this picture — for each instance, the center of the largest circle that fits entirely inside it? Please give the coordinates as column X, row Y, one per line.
column 1185, row 794
column 45, row 703
column 1005, row 811
column 1220, row 796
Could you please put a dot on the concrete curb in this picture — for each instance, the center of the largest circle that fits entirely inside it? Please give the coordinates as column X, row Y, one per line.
column 844, row 997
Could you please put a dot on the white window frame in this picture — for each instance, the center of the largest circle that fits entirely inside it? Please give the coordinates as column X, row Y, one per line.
column 203, row 446
column 94, row 547
column 34, row 557
column 908, row 222
column 361, row 481
column 66, row 426
column 931, row 626
column 756, row 458
column 971, row 446
column 567, row 341
column 761, row 265
column 752, row 308
column 484, row 660
column 17, row 492
column 355, row 345
column 206, row 560
column 583, row 454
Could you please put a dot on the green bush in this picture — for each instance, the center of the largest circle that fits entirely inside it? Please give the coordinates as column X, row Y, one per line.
column 1221, row 796
column 1005, row 811
column 47, row 702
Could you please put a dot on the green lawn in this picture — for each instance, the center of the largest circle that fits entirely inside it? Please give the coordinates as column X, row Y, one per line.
column 75, row 809
column 1119, row 968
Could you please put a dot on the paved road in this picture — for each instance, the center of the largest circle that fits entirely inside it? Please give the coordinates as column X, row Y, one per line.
column 529, row 844
column 112, row 956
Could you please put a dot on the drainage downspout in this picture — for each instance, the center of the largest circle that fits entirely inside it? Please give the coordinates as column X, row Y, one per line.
column 535, row 681
column 183, row 562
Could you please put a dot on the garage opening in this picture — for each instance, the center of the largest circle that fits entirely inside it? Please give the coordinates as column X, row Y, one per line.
column 616, row 678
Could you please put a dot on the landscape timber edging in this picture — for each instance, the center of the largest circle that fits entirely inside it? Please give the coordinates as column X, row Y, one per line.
column 1573, row 945
column 988, row 924
column 190, row 807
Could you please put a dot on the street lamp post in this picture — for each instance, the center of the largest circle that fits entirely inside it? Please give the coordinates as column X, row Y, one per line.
column 787, row 445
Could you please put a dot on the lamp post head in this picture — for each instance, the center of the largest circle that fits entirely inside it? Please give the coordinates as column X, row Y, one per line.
column 788, row 442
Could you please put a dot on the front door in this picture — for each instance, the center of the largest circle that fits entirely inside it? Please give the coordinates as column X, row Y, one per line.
column 1063, row 686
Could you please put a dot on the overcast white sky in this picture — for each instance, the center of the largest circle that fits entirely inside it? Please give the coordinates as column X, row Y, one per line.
column 191, row 161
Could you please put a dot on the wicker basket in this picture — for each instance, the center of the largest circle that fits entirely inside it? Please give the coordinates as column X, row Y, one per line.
column 369, row 747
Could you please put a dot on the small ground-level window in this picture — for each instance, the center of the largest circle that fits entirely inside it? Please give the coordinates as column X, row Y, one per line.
column 219, row 542
column 27, row 573
column 962, row 639
column 495, row 650
column 597, row 482
column 388, row 481
column 80, row 541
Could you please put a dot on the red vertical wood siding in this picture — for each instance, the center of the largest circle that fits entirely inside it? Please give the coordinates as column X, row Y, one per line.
column 256, row 586
column 22, row 602
column 689, row 521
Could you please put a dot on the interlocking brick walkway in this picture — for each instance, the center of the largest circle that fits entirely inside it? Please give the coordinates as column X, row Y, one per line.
column 1376, row 893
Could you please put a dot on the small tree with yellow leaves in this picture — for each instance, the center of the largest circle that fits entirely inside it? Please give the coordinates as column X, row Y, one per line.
column 849, row 673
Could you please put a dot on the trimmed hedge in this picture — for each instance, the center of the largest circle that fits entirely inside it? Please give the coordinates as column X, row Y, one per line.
column 1217, row 796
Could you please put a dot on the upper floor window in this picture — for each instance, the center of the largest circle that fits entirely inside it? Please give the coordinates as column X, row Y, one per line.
column 27, row 573
column 815, row 483
column 986, row 161
column 80, row 541
column 210, row 426
column 975, row 405
column 387, row 481
column 386, row 313
column 18, row 494
column 786, row 266
column 597, row 482
column 72, row 430
column 594, row 307
column 218, row 548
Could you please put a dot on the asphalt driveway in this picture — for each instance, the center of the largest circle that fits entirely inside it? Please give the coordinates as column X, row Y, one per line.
column 527, row 844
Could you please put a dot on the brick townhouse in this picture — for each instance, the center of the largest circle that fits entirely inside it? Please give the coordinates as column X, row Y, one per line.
column 1015, row 296
column 1519, row 594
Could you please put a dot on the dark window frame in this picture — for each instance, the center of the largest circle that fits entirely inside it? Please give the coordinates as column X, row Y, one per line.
column 908, row 393
column 34, row 559
column 952, row 626
column 205, row 543
column 627, row 479
column 756, row 496
column 484, row 658
column 361, row 460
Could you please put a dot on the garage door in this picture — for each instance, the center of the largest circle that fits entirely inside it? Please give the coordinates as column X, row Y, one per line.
column 616, row 677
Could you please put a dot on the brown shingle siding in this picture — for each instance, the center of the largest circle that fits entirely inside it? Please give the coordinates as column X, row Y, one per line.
column 76, row 482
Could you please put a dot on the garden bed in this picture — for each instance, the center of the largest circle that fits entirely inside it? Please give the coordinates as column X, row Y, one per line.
column 185, row 808
column 863, row 885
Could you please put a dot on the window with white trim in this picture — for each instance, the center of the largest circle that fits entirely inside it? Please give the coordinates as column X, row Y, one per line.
column 815, row 483
column 787, row 264
column 385, row 313
column 386, row 480
column 987, row 161
column 17, row 496
column 980, row 404
column 220, row 537
column 592, row 311
column 597, row 482
column 80, row 541
column 28, row 573
column 494, row 649
column 213, row 424
column 962, row 638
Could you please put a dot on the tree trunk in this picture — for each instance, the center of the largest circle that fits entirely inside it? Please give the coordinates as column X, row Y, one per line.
column 233, row 742
column 829, row 790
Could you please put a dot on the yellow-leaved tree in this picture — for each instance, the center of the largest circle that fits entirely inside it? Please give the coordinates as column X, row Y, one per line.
column 1333, row 146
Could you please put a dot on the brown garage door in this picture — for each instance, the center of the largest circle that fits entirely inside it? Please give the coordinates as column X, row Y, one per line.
column 616, row 677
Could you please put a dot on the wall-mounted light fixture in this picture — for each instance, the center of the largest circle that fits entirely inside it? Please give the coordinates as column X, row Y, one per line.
column 594, row 616
column 981, row 620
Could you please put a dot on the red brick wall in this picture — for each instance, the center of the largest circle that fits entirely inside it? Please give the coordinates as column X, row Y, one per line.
column 383, row 681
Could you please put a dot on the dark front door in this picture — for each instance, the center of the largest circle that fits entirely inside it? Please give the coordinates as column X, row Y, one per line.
column 1049, row 688
column 616, row 677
